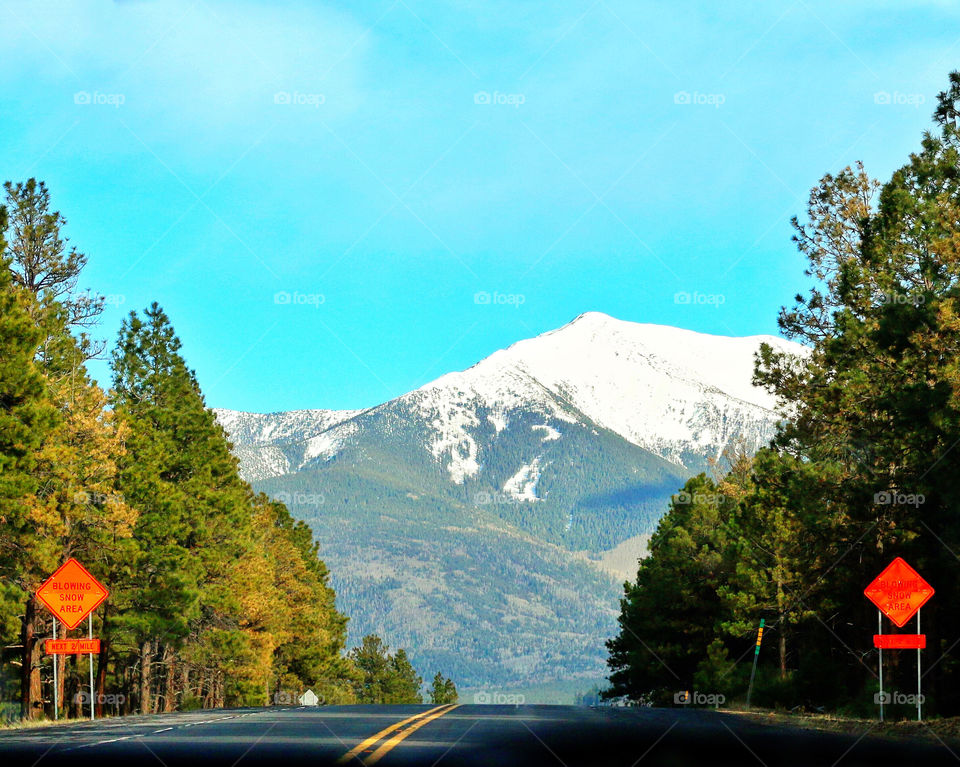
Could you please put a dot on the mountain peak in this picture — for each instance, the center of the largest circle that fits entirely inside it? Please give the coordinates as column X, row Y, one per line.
column 681, row 394
column 593, row 317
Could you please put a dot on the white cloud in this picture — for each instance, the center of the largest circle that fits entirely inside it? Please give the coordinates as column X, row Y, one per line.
column 186, row 64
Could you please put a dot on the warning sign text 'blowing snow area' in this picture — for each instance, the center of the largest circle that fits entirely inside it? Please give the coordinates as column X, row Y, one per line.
column 71, row 593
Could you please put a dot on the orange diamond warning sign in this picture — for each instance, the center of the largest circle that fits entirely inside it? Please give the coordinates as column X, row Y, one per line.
column 71, row 593
column 899, row 591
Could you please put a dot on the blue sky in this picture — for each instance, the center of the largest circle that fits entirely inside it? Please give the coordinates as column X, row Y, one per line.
column 323, row 195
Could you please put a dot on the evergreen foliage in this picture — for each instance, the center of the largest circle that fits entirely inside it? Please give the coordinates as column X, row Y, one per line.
column 862, row 469
column 218, row 596
column 382, row 677
column 443, row 691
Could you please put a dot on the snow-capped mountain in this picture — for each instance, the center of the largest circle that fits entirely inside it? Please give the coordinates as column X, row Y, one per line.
column 474, row 520
column 682, row 395
column 305, row 433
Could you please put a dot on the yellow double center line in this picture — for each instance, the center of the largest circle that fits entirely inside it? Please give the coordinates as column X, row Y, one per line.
column 397, row 732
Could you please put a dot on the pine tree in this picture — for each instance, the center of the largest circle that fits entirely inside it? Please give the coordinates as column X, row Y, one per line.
column 76, row 510
column 26, row 418
column 158, row 399
column 771, row 547
column 443, row 691
column 403, row 681
column 216, row 594
column 875, row 409
column 381, row 677
column 309, row 633
column 228, row 589
column 42, row 262
column 674, row 611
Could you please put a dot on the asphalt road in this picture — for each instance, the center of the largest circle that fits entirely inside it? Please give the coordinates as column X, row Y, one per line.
column 462, row 735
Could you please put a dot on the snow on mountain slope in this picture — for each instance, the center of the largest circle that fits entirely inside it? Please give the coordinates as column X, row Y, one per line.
column 683, row 395
column 680, row 394
column 522, row 486
column 267, row 428
column 600, row 357
column 449, row 407
column 257, row 438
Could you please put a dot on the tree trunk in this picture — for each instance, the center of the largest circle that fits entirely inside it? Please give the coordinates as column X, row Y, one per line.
column 781, row 624
column 28, row 639
column 128, row 690
column 102, row 673
column 102, row 660
column 146, row 659
column 61, row 681
column 75, row 687
column 169, row 689
column 783, row 654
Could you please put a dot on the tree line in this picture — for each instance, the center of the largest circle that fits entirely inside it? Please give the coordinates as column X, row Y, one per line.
column 865, row 467
column 218, row 596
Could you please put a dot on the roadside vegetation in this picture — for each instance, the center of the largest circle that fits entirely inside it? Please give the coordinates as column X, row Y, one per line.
column 864, row 468
column 218, row 597
column 937, row 730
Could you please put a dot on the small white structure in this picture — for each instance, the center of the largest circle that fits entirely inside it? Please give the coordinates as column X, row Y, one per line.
column 309, row 698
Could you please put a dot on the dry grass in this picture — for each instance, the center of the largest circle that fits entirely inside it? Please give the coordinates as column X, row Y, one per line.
column 28, row 724
column 35, row 724
column 937, row 730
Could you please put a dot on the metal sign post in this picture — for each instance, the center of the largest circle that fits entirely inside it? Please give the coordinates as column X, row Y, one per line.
column 90, row 656
column 56, row 689
column 756, row 654
column 880, row 631
column 919, row 696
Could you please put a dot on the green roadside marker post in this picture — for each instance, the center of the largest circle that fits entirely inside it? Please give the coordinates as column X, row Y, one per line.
column 756, row 655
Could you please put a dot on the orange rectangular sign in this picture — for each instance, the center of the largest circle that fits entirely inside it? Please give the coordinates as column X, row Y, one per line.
column 900, row 641
column 72, row 646
column 71, row 593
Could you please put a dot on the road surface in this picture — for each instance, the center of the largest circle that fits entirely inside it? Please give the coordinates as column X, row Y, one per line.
column 563, row 736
